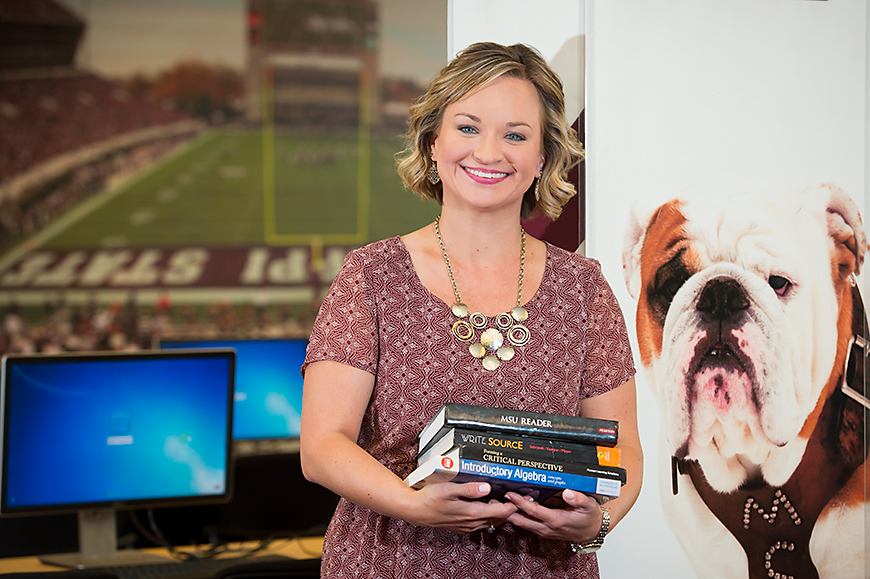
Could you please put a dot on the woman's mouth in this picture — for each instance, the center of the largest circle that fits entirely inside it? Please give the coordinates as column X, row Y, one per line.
column 483, row 176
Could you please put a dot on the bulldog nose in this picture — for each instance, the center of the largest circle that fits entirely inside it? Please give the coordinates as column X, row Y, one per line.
column 722, row 299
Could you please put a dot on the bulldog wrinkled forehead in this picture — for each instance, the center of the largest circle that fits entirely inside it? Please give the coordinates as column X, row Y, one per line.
column 749, row 202
column 720, row 212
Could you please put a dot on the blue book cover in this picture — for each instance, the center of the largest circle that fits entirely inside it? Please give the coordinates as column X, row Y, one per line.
column 461, row 464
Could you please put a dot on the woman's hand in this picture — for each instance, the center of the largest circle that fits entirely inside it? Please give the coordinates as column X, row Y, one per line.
column 334, row 401
column 458, row 508
column 579, row 521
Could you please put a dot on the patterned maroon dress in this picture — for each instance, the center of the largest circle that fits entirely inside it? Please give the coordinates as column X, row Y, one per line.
column 380, row 318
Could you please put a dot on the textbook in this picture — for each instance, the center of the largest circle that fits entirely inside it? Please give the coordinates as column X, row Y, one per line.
column 542, row 480
column 583, row 429
column 532, row 447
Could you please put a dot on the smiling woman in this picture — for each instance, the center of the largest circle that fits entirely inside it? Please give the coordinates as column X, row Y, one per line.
column 488, row 141
column 488, row 149
column 469, row 73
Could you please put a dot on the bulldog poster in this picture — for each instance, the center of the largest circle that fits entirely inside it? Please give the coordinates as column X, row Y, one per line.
column 727, row 148
column 725, row 197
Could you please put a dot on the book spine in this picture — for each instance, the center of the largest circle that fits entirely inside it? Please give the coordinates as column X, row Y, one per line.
column 539, row 478
column 571, row 428
column 530, row 446
column 513, row 459
column 543, row 485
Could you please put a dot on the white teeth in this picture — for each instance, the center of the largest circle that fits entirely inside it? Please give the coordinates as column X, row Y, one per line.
column 486, row 175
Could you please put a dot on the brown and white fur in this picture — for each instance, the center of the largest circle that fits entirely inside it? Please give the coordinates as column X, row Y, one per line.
column 743, row 323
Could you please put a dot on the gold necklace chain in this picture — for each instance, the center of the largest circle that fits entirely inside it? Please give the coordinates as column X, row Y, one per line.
column 490, row 348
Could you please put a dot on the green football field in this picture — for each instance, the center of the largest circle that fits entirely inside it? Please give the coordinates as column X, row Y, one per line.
column 249, row 188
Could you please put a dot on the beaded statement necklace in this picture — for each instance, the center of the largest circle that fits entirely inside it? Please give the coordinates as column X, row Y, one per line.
column 489, row 346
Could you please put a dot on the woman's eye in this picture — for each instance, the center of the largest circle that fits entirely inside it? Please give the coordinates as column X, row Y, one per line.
column 467, row 129
column 779, row 284
column 515, row 137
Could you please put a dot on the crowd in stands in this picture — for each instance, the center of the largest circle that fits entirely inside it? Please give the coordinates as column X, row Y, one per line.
column 130, row 326
column 21, row 218
column 49, row 114
column 46, row 116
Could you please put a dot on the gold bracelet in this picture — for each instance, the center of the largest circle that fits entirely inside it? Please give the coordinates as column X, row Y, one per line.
column 597, row 542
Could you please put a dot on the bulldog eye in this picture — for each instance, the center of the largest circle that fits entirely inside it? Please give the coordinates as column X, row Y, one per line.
column 779, row 284
column 665, row 285
column 672, row 286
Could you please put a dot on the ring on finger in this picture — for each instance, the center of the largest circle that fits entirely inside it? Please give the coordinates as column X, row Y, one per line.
column 491, row 528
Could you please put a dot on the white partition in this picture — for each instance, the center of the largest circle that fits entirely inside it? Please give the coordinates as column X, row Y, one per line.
column 677, row 92
column 681, row 92
column 556, row 28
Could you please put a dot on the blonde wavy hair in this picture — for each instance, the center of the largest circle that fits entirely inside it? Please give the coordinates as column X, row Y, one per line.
column 473, row 68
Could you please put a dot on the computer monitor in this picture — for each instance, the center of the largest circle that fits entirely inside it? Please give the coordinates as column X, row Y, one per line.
column 268, row 399
column 92, row 433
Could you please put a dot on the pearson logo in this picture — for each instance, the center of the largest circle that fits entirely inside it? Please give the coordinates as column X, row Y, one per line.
column 447, row 462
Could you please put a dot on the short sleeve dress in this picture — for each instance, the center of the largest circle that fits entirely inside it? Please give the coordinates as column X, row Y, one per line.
column 378, row 317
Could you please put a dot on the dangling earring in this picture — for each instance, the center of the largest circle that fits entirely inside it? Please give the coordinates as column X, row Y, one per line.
column 538, row 189
column 434, row 177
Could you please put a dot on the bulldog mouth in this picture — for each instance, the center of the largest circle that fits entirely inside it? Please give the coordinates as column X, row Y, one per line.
column 718, row 353
column 721, row 384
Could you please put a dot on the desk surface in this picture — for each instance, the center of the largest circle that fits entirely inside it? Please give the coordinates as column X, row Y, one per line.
column 300, row 548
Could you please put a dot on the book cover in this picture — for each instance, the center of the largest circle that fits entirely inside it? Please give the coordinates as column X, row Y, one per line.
column 545, row 486
column 530, row 446
column 555, row 426
column 511, row 458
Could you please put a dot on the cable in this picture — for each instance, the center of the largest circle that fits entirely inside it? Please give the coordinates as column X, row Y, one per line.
column 156, row 536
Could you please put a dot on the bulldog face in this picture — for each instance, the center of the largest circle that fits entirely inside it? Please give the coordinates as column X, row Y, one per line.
column 739, row 322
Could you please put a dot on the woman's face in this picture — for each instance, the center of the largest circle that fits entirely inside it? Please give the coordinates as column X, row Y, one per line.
column 489, row 146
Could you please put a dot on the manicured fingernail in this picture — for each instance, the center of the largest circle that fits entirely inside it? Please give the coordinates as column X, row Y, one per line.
column 567, row 494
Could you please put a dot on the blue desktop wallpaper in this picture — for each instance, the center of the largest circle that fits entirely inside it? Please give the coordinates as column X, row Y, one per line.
column 268, row 399
column 90, row 431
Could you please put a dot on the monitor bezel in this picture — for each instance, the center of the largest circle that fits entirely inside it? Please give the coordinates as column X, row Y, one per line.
column 8, row 360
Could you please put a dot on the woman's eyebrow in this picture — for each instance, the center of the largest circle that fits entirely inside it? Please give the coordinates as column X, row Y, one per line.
column 510, row 124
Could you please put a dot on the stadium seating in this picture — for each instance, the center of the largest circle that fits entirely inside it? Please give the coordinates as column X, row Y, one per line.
column 45, row 116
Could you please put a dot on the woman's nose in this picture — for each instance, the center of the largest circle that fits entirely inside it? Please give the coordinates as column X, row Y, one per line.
column 488, row 149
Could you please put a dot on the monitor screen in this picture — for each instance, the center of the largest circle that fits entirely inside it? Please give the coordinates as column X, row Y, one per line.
column 268, row 399
column 115, row 430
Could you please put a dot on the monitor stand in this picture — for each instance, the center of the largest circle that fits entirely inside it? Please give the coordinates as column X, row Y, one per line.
column 98, row 545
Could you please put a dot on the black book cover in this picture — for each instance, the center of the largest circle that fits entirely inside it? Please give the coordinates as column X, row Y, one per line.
column 533, row 447
column 573, row 428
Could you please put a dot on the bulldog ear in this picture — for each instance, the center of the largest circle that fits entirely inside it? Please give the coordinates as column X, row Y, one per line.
column 846, row 229
column 639, row 218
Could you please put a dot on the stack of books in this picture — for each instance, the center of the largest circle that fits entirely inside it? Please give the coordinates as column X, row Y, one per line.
column 530, row 453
